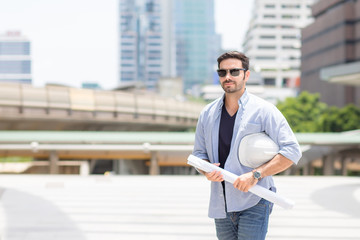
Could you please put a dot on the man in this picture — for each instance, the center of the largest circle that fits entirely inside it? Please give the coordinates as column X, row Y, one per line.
column 222, row 124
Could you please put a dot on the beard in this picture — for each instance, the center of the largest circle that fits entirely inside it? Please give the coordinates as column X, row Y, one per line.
column 235, row 87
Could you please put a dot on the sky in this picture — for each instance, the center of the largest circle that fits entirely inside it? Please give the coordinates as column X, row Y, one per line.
column 75, row 41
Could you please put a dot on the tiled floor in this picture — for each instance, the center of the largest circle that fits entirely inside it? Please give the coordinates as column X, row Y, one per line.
column 51, row 207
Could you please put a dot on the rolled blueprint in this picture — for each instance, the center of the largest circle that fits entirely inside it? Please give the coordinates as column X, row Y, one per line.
column 230, row 177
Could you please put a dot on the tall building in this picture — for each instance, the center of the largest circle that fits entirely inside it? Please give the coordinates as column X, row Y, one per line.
column 167, row 38
column 331, row 52
column 15, row 58
column 168, row 49
column 140, row 41
column 273, row 40
column 197, row 44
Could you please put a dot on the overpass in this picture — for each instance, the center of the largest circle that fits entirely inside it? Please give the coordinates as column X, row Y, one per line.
column 25, row 107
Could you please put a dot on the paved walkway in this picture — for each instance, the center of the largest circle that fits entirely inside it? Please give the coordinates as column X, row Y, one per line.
column 52, row 207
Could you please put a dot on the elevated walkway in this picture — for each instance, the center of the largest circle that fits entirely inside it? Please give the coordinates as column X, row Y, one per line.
column 24, row 107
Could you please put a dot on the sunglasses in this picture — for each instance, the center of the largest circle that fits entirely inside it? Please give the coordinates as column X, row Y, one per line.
column 233, row 72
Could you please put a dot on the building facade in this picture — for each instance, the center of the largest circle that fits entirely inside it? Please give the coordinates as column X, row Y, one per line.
column 167, row 39
column 273, row 40
column 15, row 58
column 331, row 52
column 140, row 41
column 197, row 44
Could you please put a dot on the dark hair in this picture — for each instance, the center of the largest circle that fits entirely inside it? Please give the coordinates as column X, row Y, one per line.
column 234, row 54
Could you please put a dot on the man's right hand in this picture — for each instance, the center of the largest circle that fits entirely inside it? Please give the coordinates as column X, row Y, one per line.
column 214, row 176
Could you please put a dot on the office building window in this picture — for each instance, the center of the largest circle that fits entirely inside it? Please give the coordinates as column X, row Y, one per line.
column 267, row 26
column 269, row 81
column 16, row 67
column 289, row 37
column 266, row 47
column 267, row 16
column 290, row 6
column 288, row 26
column 289, row 16
column 14, row 48
column 267, row 36
column 269, row 5
column 288, row 47
column 265, row 58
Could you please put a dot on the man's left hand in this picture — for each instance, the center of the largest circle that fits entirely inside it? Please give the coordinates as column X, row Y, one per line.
column 245, row 182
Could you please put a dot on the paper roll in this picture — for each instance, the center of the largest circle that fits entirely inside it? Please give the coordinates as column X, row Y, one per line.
column 230, row 177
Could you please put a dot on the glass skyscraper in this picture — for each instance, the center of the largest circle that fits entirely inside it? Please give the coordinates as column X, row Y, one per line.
column 197, row 44
column 140, row 41
column 168, row 38
column 15, row 58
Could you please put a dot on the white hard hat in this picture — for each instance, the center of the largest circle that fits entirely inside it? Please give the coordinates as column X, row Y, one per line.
column 256, row 149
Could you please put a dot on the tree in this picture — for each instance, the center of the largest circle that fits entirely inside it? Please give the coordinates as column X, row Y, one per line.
column 306, row 113
column 329, row 120
column 303, row 112
column 340, row 119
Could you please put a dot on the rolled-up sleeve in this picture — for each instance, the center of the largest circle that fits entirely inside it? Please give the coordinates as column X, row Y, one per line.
column 279, row 130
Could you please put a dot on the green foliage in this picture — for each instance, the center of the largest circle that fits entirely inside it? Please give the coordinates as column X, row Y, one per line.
column 196, row 100
column 350, row 116
column 16, row 159
column 329, row 121
column 303, row 112
column 306, row 113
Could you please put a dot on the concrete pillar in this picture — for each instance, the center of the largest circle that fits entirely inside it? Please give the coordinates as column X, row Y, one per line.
column 311, row 169
column 287, row 172
column 126, row 167
column 54, row 159
column 122, row 167
column 84, row 168
column 328, row 164
column 154, row 166
column 116, row 166
column 92, row 165
column 344, row 162
column 294, row 170
column 306, row 169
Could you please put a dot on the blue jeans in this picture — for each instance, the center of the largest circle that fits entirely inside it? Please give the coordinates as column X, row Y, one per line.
column 250, row 224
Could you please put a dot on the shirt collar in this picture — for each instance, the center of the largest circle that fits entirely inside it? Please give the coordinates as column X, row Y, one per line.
column 221, row 102
column 242, row 101
column 244, row 98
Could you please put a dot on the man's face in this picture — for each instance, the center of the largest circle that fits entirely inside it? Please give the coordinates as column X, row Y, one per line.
column 233, row 84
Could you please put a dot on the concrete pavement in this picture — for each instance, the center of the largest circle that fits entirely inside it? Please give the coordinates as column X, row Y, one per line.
column 36, row 207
